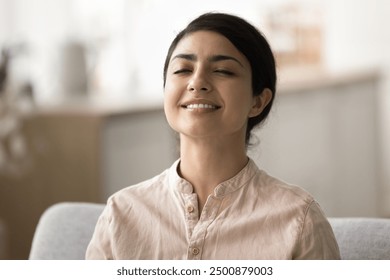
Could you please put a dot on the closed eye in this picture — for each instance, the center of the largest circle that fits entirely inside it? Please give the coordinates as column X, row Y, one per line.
column 224, row 72
column 181, row 71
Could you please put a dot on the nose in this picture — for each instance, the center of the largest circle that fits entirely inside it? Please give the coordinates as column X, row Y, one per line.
column 199, row 83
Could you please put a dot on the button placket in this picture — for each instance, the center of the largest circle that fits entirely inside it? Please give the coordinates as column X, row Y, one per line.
column 197, row 240
column 191, row 213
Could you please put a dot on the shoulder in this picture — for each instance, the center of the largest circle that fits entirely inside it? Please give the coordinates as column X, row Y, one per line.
column 289, row 201
column 125, row 209
column 316, row 239
column 284, row 192
column 144, row 190
column 314, row 235
column 129, row 204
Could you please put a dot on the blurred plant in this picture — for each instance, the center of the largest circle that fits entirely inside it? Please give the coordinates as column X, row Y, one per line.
column 14, row 104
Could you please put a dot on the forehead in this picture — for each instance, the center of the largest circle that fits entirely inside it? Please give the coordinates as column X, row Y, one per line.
column 206, row 43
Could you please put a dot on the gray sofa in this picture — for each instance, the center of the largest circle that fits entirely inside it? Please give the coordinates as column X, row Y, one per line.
column 65, row 230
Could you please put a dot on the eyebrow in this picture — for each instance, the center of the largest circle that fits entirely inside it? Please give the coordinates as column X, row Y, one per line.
column 214, row 58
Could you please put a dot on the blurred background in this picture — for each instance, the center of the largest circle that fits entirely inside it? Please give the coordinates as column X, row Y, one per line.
column 81, row 101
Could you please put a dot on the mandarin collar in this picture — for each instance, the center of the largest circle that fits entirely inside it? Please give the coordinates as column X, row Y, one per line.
column 224, row 188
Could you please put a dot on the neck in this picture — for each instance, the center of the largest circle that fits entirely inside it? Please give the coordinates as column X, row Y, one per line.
column 207, row 163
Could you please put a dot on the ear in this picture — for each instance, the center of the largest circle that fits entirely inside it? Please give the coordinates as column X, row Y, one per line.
column 260, row 102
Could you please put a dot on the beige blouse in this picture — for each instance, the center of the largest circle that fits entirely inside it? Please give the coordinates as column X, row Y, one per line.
column 250, row 216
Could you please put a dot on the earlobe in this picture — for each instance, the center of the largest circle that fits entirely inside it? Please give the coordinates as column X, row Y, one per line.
column 260, row 102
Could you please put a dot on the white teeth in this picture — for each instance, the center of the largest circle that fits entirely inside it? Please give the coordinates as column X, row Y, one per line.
column 201, row 106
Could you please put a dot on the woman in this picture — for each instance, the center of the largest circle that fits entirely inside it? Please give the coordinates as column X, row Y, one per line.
column 214, row 202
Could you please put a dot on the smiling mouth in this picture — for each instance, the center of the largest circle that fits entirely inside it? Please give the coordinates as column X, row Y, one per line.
column 200, row 106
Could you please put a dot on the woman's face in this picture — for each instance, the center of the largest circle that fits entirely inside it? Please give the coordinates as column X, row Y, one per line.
column 208, row 89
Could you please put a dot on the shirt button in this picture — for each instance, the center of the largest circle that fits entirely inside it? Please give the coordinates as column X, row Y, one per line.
column 195, row 251
column 190, row 208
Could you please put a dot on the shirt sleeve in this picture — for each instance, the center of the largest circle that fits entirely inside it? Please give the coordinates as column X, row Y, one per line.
column 316, row 240
column 100, row 247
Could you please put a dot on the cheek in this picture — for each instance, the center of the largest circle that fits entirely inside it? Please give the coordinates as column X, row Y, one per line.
column 240, row 94
column 171, row 88
column 170, row 99
column 170, row 103
column 168, row 113
column 167, row 101
column 168, row 88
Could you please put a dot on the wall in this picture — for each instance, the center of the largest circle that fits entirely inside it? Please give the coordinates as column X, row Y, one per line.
column 357, row 37
column 313, row 139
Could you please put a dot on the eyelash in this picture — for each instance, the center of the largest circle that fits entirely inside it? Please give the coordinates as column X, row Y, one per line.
column 224, row 72
column 220, row 71
column 181, row 71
